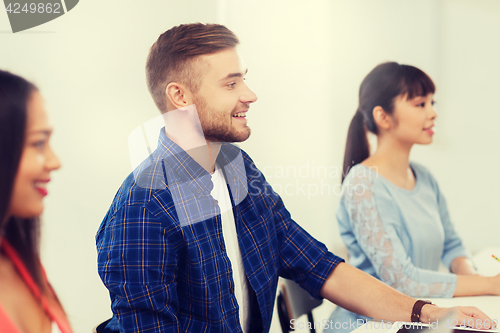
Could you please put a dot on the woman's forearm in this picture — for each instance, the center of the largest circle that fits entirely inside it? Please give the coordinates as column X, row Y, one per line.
column 475, row 285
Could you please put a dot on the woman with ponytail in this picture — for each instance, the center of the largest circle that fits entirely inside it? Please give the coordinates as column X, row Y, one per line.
column 392, row 216
column 27, row 302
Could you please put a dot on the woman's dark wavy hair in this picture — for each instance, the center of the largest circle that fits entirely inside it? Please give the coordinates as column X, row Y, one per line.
column 22, row 234
column 380, row 88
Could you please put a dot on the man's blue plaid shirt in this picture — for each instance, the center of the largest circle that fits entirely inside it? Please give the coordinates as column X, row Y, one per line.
column 162, row 256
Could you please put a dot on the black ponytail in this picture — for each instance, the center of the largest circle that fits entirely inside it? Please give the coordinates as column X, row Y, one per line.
column 357, row 149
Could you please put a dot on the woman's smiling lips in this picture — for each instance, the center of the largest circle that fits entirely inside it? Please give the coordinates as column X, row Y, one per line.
column 429, row 130
column 41, row 186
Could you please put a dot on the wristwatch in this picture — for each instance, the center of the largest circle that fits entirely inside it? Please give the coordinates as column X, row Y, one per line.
column 417, row 308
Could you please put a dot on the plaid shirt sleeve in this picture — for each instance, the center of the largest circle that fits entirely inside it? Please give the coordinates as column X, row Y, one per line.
column 302, row 258
column 138, row 264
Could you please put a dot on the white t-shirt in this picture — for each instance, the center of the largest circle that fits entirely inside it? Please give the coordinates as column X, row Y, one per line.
column 221, row 194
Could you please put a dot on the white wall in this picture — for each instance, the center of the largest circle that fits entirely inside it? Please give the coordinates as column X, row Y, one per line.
column 306, row 61
column 466, row 159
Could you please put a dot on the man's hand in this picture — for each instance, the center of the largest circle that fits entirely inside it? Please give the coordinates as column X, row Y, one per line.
column 463, row 316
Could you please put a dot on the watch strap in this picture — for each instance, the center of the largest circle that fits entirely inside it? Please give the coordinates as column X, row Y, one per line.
column 417, row 309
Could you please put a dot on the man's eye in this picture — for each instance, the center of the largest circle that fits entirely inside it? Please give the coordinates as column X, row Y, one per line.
column 231, row 85
column 421, row 105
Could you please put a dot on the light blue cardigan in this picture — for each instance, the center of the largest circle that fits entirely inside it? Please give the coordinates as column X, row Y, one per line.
column 398, row 236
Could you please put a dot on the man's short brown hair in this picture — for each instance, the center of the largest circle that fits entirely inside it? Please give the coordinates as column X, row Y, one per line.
column 173, row 55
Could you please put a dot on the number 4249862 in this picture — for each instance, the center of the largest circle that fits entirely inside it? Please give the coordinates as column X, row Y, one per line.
column 478, row 323
column 40, row 8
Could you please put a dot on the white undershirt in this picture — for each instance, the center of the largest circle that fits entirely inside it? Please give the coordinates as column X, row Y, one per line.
column 221, row 194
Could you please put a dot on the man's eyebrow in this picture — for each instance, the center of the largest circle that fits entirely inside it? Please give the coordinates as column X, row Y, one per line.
column 231, row 75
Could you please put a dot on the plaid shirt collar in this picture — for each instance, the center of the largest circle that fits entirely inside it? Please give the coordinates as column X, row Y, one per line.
column 182, row 166
column 170, row 166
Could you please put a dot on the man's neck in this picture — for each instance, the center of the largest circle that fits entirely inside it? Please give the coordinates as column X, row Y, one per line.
column 183, row 127
column 205, row 155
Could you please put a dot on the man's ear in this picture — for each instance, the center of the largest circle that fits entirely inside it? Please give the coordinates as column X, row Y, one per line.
column 382, row 119
column 178, row 95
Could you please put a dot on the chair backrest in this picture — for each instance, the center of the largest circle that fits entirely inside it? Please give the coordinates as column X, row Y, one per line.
column 100, row 328
column 293, row 302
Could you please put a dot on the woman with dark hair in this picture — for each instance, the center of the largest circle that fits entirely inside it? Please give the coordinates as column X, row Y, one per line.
column 27, row 301
column 392, row 216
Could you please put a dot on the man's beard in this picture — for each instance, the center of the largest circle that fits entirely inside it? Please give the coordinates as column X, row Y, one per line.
column 215, row 125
